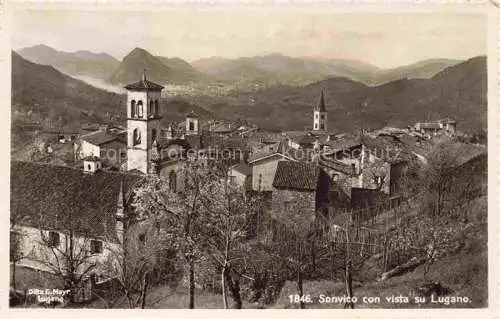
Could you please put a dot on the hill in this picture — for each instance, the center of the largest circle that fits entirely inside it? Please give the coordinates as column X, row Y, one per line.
column 420, row 70
column 459, row 91
column 159, row 69
column 48, row 92
column 275, row 69
column 80, row 63
column 44, row 92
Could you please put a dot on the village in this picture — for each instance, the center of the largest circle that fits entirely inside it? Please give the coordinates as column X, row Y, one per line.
column 76, row 203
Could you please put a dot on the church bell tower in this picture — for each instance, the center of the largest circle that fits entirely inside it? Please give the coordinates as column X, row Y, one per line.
column 143, row 122
column 320, row 115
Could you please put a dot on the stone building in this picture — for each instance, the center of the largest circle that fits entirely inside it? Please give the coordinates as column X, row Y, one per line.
column 300, row 192
column 50, row 205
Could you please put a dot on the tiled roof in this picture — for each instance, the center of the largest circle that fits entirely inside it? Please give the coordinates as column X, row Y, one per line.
column 243, row 169
column 63, row 198
column 432, row 125
column 99, row 137
column 144, row 85
column 320, row 106
column 296, row 175
column 192, row 114
column 91, row 158
column 164, row 143
column 234, row 143
column 306, row 140
column 223, row 128
column 343, row 144
column 336, row 166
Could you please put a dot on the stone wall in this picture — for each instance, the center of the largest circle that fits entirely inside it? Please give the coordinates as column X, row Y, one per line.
column 294, row 207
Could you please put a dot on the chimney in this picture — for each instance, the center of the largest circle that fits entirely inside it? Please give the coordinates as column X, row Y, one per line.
column 144, row 75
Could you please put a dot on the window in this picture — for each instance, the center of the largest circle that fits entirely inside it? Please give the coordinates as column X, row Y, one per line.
column 96, row 246
column 232, row 179
column 142, row 239
column 353, row 167
column 322, row 126
column 151, row 107
column 140, row 109
column 89, row 167
column 315, row 126
column 137, row 137
column 316, row 115
column 191, row 125
column 132, row 109
column 54, row 239
column 156, row 107
column 322, row 116
column 172, row 181
column 153, row 135
column 287, row 205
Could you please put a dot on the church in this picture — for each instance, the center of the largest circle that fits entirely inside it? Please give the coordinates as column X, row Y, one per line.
column 150, row 151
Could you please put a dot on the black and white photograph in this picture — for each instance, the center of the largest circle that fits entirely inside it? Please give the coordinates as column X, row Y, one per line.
column 247, row 158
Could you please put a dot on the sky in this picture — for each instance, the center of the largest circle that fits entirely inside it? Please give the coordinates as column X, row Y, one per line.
column 384, row 40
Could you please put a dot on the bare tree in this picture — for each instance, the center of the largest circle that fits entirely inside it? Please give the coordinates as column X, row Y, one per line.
column 178, row 212
column 71, row 260
column 225, row 223
column 16, row 252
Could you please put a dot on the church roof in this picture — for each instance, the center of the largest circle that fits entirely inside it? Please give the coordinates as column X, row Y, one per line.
column 320, row 106
column 63, row 198
column 144, row 85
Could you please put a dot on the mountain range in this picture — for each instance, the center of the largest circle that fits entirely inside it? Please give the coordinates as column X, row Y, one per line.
column 278, row 69
column 246, row 73
column 45, row 92
column 80, row 63
column 459, row 91
column 159, row 69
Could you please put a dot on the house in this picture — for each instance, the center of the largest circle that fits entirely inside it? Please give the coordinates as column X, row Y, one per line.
column 223, row 128
column 300, row 192
column 369, row 162
column 53, row 207
column 264, row 165
column 63, row 134
column 109, row 147
column 433, row 128
column 240, row 173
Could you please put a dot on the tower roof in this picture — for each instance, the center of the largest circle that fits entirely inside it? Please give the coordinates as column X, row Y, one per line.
column 320, row 106
column 144, row 85
column 192, row 114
